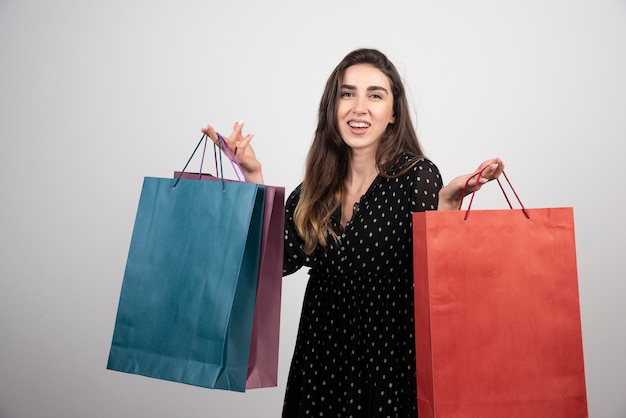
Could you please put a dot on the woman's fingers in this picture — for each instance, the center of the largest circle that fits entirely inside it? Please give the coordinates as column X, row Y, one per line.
column 245, row 141
column 242, row 151
column 210, row 132
column 232, row 141
column 489, row 170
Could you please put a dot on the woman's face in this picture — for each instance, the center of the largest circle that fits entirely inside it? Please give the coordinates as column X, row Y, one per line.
column 365, row 107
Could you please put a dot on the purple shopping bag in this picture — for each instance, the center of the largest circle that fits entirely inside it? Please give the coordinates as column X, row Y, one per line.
column 263, row 362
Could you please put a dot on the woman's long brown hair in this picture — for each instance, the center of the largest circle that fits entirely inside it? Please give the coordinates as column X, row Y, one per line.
column 328, row 158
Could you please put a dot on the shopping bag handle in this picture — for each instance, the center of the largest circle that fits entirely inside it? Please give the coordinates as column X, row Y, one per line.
column 231, row 156
column 479, row 174
column 222, row 146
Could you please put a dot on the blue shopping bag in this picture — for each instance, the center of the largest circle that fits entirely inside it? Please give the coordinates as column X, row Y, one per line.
column 186, row 305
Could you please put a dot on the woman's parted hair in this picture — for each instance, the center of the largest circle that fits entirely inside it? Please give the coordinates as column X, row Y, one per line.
column 327, row 160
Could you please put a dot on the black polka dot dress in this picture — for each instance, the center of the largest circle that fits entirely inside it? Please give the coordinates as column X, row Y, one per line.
column 355, row 349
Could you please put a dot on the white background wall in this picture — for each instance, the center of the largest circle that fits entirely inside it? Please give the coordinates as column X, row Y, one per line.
column 94, row 95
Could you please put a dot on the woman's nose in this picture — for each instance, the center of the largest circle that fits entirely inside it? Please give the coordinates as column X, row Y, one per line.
column 359, row 106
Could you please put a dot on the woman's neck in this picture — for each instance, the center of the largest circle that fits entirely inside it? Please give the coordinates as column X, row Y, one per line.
column 360, row 177
column 362, row 169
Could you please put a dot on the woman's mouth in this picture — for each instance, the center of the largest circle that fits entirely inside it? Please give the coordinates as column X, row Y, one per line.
column 358, row 125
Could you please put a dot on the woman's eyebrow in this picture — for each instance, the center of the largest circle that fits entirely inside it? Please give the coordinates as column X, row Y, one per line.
column 370, row 88
column 377, row 88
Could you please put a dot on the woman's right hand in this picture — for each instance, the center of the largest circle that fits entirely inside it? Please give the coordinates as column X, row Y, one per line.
column 241, row 149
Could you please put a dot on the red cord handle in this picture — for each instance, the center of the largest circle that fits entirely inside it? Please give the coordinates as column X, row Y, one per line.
column 479, row 174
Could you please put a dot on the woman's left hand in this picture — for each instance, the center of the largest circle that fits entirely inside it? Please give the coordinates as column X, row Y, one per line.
column 451, row 195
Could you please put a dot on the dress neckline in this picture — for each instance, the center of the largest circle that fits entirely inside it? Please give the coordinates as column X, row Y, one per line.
column 356, row 206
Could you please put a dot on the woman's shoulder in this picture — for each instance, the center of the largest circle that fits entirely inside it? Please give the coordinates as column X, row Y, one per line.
column 293, row 198
column 424, row 163
column 407, row 163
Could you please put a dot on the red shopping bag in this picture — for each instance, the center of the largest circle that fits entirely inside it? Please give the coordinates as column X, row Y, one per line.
column 497, row 317
column 263, row 361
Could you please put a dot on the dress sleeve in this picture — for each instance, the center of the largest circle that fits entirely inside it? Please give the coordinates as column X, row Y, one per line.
column 294, row 257
column 426, row 185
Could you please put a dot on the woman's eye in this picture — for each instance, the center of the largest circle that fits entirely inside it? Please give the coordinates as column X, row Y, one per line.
column 376, row 96
column 346, row 94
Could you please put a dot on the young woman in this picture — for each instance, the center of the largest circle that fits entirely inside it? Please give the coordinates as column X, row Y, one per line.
column 349, row 222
